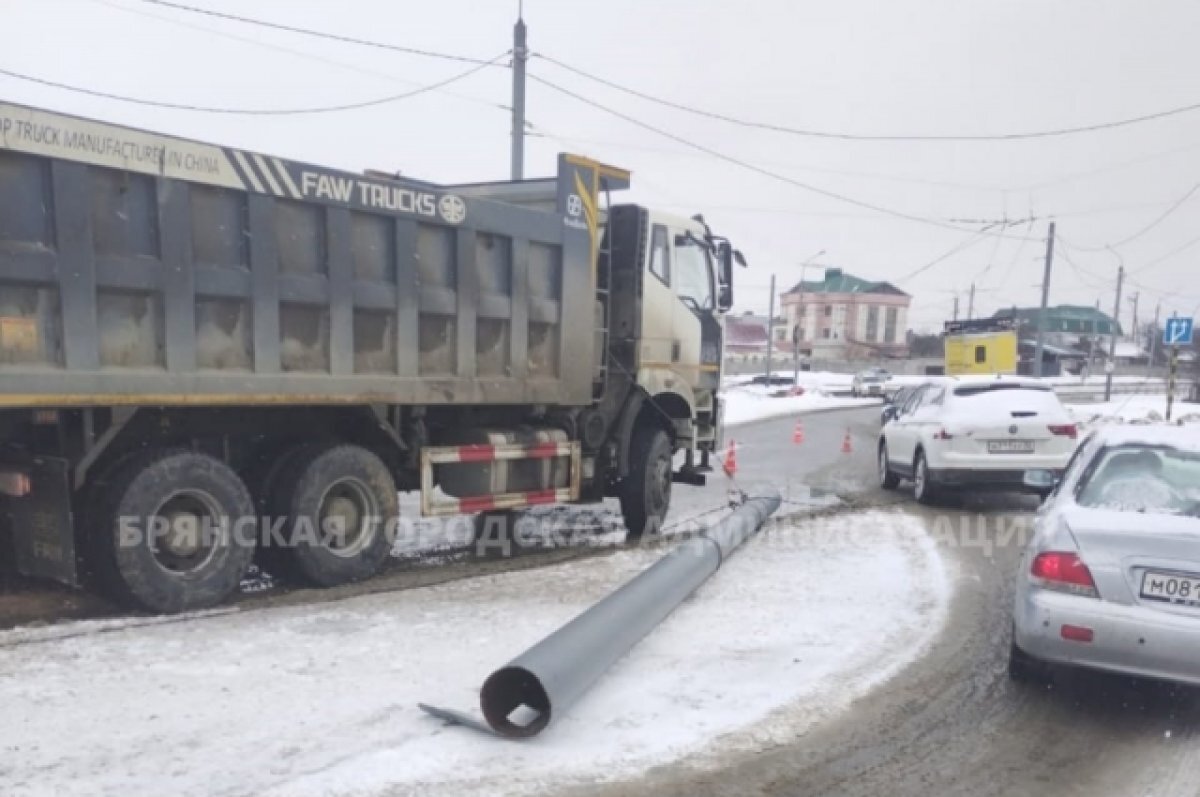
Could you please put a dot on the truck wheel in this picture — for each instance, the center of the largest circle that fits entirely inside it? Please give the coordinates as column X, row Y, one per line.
column 338, row 501
column 646, row 491
column 174, row 531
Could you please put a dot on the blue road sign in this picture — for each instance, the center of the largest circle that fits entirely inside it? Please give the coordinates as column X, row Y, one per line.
column 1178, row 332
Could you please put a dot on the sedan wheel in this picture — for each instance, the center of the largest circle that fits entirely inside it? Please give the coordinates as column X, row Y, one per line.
column 1023, row 668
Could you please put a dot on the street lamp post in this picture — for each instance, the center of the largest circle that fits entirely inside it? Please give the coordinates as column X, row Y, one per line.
column 800, row 303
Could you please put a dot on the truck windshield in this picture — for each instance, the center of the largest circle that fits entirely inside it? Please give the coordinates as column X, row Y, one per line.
column 693, row 272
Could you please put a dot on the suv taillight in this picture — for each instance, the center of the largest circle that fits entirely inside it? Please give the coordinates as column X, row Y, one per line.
column 1064, row 572
column 1065, row 429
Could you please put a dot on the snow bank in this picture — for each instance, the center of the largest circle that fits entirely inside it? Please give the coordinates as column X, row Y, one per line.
column 755, row 403
column 320, row 700
column 1133, row 409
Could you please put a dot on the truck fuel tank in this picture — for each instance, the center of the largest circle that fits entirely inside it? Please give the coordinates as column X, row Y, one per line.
column 466, row 478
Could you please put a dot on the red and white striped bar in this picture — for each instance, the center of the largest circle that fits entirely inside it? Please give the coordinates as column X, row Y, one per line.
column 484, row 503
column 438, row 455
column 493, row 453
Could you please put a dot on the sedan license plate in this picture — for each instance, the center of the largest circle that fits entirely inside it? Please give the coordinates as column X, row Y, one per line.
column 1171, row 587
column 1010, row 446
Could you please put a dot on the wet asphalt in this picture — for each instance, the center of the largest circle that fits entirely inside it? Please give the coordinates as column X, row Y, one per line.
column 952, row 723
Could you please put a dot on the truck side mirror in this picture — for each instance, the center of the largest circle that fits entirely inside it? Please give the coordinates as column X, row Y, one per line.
column 725, row 255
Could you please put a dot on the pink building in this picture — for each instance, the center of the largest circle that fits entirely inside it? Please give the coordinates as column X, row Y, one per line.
column 844, row 317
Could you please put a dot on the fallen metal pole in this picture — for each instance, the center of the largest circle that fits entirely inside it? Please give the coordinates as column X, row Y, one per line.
column 521, row 698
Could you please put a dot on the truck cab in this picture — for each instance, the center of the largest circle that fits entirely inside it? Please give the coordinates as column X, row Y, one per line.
column 676, row 316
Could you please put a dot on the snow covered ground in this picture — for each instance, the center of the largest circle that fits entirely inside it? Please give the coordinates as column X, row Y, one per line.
column 1134, row 409
column 749, row 403
column 321, row 700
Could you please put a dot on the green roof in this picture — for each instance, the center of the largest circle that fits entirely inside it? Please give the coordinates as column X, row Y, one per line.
column 1070, row 318
column 838, row 281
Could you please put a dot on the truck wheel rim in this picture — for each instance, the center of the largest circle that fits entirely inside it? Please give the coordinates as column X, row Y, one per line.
column 919, row 478
column 662, row 484
column 348, row 514
column 186, row 530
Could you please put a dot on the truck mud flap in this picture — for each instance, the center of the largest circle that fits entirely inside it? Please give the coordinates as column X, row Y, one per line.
column 42, row 527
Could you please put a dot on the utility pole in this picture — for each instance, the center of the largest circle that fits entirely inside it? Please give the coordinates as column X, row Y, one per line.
column 1112, row 340
column 1041, row 323
column 971, row 303
column 1153, row 340
column 1173, row 369
column 770, row 330
column 1137, row 334
column 519, row 57
column 801, row 319
column 955, row 317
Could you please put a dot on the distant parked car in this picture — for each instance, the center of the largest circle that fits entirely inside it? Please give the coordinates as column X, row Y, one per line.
column 869, row 383
column 978, row 433
column 1111, row 578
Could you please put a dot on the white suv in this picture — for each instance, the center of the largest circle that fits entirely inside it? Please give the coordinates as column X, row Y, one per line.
column 975, row 432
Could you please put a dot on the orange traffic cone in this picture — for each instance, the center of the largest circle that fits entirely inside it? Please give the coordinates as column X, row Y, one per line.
column 846, row 448
column 798, row 432
column 730, row 464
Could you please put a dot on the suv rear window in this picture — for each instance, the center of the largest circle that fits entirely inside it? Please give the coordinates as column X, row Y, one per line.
column 975, row 390
column 1030, row 400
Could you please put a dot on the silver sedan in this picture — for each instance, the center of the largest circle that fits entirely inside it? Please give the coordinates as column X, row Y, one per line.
column 1111, row 578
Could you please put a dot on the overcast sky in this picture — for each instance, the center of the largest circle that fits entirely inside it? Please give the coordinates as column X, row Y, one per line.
column 937, row 67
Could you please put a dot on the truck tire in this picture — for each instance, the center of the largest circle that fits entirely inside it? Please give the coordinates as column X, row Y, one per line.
column 338, row 501
column 191, row 537
column 646, row 491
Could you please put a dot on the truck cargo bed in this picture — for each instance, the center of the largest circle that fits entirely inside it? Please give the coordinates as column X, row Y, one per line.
column 137, row 268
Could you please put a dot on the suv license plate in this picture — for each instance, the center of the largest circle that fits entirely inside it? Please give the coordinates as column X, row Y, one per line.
column 1010, row 446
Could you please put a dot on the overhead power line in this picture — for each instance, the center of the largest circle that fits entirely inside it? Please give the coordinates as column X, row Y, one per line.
column 350, row 106
column 750, row 166
column 1088, row 278
column 796, row 131
column 975, row 238
column 675, row 151
column 262, row 23
column 1176, row 205
column 1181, row 248
column 309, row 55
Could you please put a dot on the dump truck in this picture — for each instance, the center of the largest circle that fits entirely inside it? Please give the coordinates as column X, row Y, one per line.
column 209, row 354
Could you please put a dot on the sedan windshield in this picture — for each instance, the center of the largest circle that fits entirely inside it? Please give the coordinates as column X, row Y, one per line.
column 1143, row 479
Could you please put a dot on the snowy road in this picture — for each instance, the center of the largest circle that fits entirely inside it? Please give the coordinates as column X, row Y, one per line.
column 953, row 724
column 321, row 700
column 889, row 693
